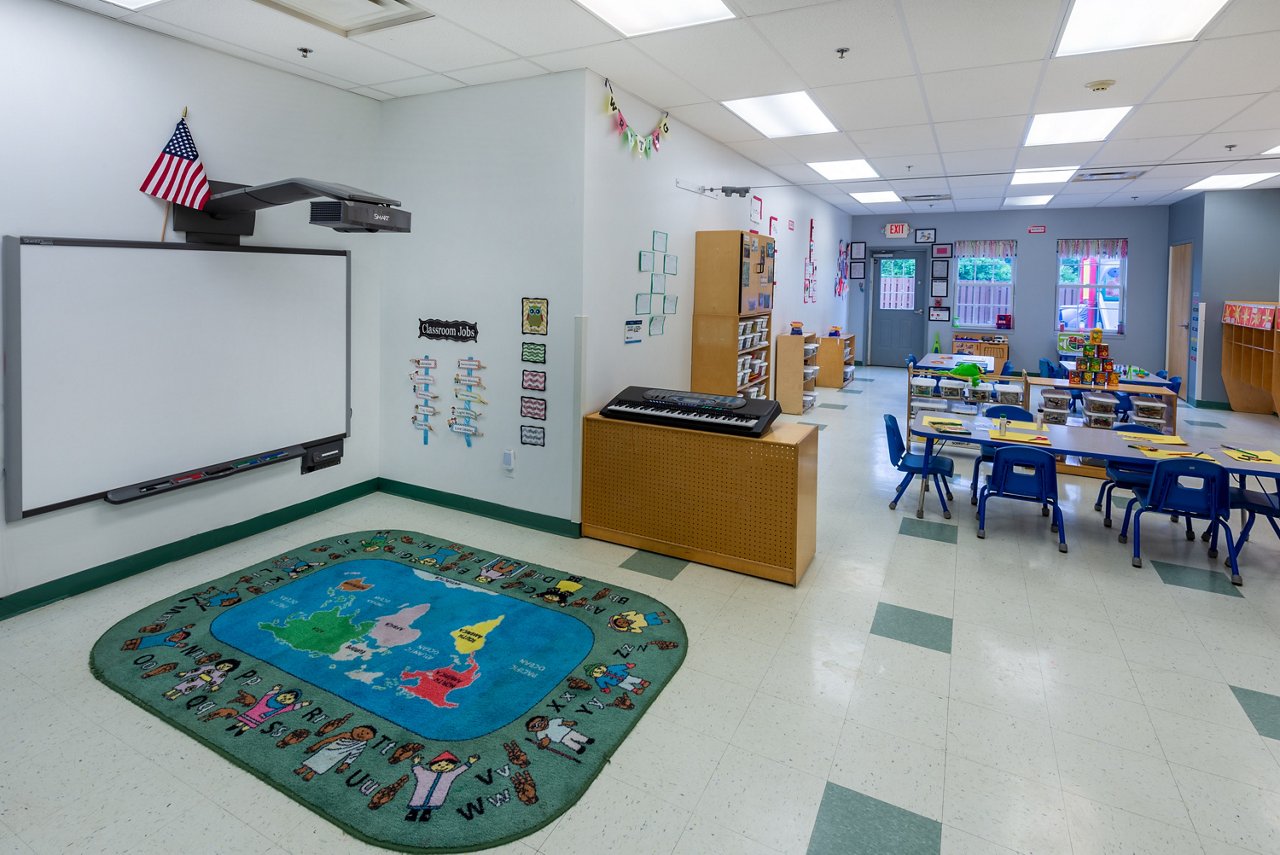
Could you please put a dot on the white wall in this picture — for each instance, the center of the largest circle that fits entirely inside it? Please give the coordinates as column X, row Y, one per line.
column 84, row 119
column 494, row 177
column 629, row 197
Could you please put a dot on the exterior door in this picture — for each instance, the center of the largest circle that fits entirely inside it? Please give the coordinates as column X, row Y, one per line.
column 897, row 307
column 1178, row 343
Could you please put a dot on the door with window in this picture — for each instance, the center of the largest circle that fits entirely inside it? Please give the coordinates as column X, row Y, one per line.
column 897, row 318
column 1178, row 342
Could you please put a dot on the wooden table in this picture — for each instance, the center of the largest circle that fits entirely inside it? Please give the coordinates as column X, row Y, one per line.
column 947, row 361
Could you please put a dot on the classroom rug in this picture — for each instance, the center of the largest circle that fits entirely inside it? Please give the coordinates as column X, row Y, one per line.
column 423, row 695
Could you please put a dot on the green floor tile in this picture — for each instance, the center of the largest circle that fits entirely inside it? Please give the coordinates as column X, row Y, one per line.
column 1262, row 709
column 662, row 566
column 819, row 426
column 852, row 391
column 850, row 823
column 929, row 530
column 1203, row 424
column 922, row 629
column 834, row 406
column 1213, row 581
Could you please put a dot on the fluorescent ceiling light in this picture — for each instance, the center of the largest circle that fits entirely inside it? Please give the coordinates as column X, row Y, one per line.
column 844, row 170
column 1074, row 126
column 876, row 197
column 1098, row 25
column 654, row 16
column 1275, row 150
column 1024, row 201
column 790, row 115
column 1048, row 175
column 1231, row 182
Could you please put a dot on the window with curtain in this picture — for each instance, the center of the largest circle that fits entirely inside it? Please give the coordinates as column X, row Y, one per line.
column 1091, row 284
column 984, row 282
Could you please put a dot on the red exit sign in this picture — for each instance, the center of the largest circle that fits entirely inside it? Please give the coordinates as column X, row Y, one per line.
column 896, row 230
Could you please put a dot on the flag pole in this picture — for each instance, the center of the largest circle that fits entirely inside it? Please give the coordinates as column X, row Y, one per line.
column 164, row 226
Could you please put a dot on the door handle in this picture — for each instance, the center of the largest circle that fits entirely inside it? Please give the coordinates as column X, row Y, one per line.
column 1185, row 326
column 919, row 311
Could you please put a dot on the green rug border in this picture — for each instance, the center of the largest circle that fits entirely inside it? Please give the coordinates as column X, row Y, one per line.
column 683, row 652
column 46, row 593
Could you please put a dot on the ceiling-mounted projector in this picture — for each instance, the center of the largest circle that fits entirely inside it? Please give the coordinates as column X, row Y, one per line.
column 347, row 216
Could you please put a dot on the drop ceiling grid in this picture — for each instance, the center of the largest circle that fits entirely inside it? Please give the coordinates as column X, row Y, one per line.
column 955, row 35
column 527, row 29
column 726, row 60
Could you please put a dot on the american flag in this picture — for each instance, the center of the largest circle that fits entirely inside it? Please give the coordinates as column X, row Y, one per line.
column 178, row 174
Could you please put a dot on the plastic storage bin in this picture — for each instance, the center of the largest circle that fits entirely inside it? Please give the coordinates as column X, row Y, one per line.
column 923, row 385
column 979, row 394
column 1008, row 393
column 1148, row 408
column 1056, row 399
column 1158, row 424
column 1053, row 416
column 934, row 406
column 952, row 388
column 1100, row 403
column 1099, row 420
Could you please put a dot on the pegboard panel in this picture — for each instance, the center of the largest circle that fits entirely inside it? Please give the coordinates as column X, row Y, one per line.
column 728, row 495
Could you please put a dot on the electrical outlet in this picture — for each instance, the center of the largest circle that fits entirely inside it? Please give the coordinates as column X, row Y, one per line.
column 509, row 462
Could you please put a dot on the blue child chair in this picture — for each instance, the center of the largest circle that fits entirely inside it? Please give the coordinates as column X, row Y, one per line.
column 1026, row 474
column 1047, row 369
column 1254, row 503
column 1167, row 493
column 913, row 464
column 985, row 449
column 1007, row 370
column 1125, row 475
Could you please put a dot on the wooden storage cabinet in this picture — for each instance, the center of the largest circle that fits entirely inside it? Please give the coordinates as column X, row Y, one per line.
column 735, row 502
column 795, row 378
column 732, row 314
column 996, row 346
column 1251, row 356
column 835, row 361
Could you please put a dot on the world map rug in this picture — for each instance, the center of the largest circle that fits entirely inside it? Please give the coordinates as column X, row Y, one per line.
column 423, row 695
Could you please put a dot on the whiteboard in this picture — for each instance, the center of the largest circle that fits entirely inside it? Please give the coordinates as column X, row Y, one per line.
column 129, row 361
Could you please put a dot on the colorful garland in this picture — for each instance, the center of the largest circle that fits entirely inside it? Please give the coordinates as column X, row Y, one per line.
column 643, row 145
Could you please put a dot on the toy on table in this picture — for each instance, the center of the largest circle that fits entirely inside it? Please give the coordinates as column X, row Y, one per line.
column 797, row 328
column 967, row 371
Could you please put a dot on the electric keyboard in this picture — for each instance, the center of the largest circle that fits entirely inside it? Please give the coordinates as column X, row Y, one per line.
column 719, row 413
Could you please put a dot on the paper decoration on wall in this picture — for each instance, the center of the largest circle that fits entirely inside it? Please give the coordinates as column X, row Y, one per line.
column 810, row 272
column 656, row 324
column 533, row 408
column 463, row 419
column 632, row 331
column 468, row 395
column 643, row 145
column 533, row 315
column 669, row 304
column 530, row 352
column 421, row 379
column 472, row 380
column 659, row 241
column 434, row 328
column 646, row 261
column 842, row 267
column 470, row 363
column 657, row 284
column 644, row 304
column 535, row 380
column 533, row 435
column 669, row 263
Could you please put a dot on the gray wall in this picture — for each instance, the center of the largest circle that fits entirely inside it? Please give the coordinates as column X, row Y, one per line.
column 1034, row 303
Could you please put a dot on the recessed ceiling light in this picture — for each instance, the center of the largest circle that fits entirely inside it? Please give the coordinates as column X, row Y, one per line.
column 1098, row 25
column 133, row 4
column 1047, row 175
column 1024, row 201
column 790, row 115
column 1231, row 182
column 1275, row 150
column 1074, row 126
column 844, row 170
column 876, row 197
column 655, row 16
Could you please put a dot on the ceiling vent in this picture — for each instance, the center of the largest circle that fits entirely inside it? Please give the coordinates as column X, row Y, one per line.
column 928, row 197
column 1108, row 175
column 350, row 17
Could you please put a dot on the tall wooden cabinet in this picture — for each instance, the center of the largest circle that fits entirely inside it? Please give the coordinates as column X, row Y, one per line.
column 835, row 360
column 732, row 313
column 795, row 372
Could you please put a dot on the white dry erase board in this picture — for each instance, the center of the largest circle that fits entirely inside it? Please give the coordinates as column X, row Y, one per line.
column 126, row 362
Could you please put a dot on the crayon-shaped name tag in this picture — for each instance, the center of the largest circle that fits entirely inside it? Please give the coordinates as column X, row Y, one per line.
column 425, row 393
column 423, row 363
column 461, row 413
column 425, row 410
column 468, row 395
column 470, row 363
column 466, row 380
column 421, row 379
column 464, row 428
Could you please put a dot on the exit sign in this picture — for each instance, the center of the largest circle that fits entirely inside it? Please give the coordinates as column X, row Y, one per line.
column 1035, row 230
column 896, row 230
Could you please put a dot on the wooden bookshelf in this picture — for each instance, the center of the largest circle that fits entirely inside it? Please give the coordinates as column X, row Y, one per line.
column 1251, row 355
column 732, row 314
column 835, row 361
column 795, row 365
column 995, row 346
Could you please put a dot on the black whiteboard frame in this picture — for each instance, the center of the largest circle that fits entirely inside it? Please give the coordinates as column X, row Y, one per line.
column 11, row 303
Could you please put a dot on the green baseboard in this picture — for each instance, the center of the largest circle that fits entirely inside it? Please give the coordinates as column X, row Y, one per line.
column 515, row 516
column 1211, row 405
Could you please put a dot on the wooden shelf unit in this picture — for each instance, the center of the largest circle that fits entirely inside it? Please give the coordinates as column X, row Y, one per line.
column 835, row 355
column 795, row 380
column 732, row 287
column 976, row 344
column 744, row 504
column 1251, row 355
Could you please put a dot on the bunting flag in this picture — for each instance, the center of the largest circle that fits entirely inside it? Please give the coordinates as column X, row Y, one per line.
column 641, row 144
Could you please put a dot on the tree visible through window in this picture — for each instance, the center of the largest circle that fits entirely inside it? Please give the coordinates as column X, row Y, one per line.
column 984, row 282
column 1091, row 284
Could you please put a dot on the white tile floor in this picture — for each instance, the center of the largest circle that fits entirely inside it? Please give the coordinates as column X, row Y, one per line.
column 1084, row 707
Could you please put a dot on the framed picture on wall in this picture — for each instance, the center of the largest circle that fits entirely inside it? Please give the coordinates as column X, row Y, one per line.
column 858, row 249
column 857, row 270
column 942, row 250
column 941, row 269
column 925, row 235
column 939, row 313
column 938, row 288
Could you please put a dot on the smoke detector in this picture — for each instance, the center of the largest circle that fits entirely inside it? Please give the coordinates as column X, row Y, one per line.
column 1099, row 85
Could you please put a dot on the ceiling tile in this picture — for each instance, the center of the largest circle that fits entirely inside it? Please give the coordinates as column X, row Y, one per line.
column 1068, row 154
column 515, row 69
column 764, row 7
column 1191, row 171
column 1213, row 146
column 882, row 104
column 726, row 60
column 527, row 28
column 993, row 32
column 1175, row 118
column 978, row 134
column 981, row 191
column 1081, row 201
column 767, row 153
column 1245, row 16
column 1136, row 71
column 370, row 92
column 927, row 208
column 1086, row 188
column 989, row 204
column 980, row 93
column 818, row 147
column 1147, row 187
column 715, row 121
column 1145, row 151
column 436, row 45
column 887, row 142
column 1261, row 115
column 799, row 174
column 1236, row 66
column 420, row 85
column 926, row 165
column 101, row 7
column 991, row 161
column 807, row 40
column 627, row 67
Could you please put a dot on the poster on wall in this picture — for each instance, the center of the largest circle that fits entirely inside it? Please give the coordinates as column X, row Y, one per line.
column 434, row 328
column 633, row 329
column 534, row 313
column 532, row 352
